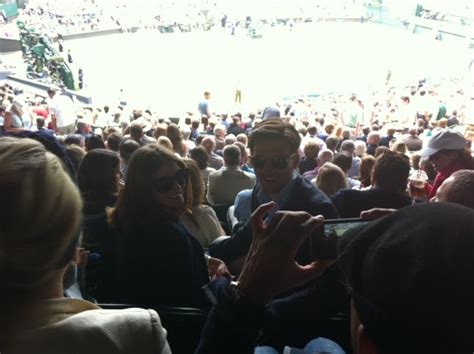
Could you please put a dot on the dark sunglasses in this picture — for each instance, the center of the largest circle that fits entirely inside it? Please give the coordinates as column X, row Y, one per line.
column 277, row 162
column 165, row 184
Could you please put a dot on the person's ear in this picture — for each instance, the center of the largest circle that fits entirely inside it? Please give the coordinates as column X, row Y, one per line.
column 365, row 345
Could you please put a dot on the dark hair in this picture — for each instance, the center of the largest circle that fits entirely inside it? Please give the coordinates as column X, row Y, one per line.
column 136, row 204
column 94, row 142
column 329, row 128
column 302, row 130
column 332, row 142
column 81, row 125
column 127, row 148
column 391, row 171
column 40, row 122
column 275, row 130
column 344, row 160
column 199, row 139
column 113, row 141
column 466, row 159
column 462, row 190
column 174, row 134
column 199, row 154
column 366, row 167
column 243, row 152
column 415, row 161
column 195, row 124
column 75, row 154
column 348, row 145
column 136, row 132
column 428, row 167
column 311, row 149
column 97, row 177
column 312, row 129
column 74, row 139
column 231, row 155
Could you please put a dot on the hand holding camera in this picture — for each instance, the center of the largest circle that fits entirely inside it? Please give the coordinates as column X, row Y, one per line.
column 270, row 267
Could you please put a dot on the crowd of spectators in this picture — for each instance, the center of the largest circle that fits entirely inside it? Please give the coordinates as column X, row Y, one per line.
column 74, row 17
column 148, row 212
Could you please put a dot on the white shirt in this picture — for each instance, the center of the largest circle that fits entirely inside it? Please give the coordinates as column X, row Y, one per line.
column 63, row 109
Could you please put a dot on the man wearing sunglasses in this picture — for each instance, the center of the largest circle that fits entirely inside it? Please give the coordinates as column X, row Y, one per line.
column 274, row 156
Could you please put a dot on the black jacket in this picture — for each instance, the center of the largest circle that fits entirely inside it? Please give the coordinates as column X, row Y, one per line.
column 161, row 264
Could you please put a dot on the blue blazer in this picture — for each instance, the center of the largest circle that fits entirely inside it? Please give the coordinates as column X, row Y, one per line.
column 305, row 196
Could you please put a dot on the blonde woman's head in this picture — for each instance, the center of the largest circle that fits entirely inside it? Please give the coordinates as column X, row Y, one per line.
column 360, row 148
column 40, row 215
column 399, row 146
column 331, row 179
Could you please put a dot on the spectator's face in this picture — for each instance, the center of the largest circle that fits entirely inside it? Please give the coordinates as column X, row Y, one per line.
column 274, row 164
column 442, row 159
column 373, row 140
column 169, row 191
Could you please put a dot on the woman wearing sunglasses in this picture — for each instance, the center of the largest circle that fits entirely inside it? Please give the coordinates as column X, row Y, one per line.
column 159, row 262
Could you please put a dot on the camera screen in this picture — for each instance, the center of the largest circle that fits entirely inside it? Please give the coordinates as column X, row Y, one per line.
column 323, row 242
column 338, row 229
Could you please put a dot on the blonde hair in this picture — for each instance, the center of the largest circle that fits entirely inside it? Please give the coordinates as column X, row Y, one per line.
column 197, row 187
column 443, row 123
column 165, row 142
column 331, row 179
column 41, row 212
column 399, row 146
column 197, row 184
column 360, row 148
column 39, row 223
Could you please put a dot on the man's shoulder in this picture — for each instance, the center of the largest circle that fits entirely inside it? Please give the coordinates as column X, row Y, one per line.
column 307, row 190
column 237, row 173
column 306, row 196
column 215, row 172
column 215, row 156
column 355, row 192
column 354, row 195
column 343, row 195
column 249, row 175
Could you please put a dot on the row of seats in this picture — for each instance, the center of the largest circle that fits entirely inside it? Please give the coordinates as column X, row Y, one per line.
column 184, row 327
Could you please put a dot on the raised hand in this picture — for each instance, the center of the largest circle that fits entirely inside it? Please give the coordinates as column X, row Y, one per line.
column 270, row 267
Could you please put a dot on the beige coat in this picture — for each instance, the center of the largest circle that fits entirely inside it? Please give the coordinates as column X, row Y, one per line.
column 224, row 184
column 71, row 326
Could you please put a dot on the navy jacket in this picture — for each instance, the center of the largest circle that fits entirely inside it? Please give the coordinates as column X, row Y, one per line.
column 305, row 196
column 385, row 141
column 350, row 203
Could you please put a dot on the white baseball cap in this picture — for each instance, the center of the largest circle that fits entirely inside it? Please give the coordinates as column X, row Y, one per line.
column 443, row 140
